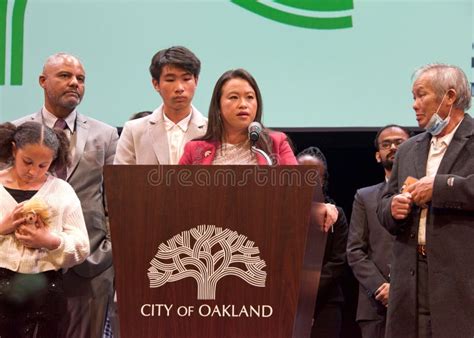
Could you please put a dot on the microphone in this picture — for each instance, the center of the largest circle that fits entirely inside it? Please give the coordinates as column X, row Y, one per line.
column 255, row 128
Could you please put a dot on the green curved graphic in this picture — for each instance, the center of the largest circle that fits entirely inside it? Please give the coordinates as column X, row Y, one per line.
column 321, row 5
column 18, row 21
column 3, row 39
column 301, row 20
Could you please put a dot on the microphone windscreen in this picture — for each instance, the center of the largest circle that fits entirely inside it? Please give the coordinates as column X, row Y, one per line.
column 254, row 131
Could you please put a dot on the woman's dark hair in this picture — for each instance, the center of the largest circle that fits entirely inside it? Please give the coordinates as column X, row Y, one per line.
column 215, row 127
column 316, row 153
column 33, row 133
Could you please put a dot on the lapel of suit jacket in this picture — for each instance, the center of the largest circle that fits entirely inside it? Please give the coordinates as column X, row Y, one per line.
column 38, row 117
column 460, row 138
column 196, row 126
column 159, row 138
column 82, row 133
column 206, row 153
column 380, row 189
column 422, row 148
column 261, row 160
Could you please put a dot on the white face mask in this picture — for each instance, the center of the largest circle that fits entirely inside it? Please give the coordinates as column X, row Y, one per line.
column 436, row 124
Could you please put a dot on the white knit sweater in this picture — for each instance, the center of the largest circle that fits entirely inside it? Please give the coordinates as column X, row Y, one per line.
column 67, row 221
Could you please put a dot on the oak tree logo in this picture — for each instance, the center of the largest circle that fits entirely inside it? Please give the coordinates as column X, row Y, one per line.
column 301, row 13
column 16, row 51
column 207, row 253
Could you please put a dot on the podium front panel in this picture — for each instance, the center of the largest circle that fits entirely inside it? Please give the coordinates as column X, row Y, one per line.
column 213, row 251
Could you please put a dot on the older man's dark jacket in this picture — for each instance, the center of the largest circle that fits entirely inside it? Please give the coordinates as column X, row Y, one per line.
column 449, row 238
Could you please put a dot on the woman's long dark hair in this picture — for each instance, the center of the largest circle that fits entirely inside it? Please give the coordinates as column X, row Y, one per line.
column 215, row 127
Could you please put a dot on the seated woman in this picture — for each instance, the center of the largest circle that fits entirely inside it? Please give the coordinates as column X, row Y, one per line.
column 34, row 249
column 236, row 102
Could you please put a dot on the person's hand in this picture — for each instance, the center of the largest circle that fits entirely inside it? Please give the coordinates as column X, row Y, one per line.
column 422, row 191
column 323, row 214
column 330, row 216
column 12, row 221
column 401, row 205
column 37, row 236
column 381, row 294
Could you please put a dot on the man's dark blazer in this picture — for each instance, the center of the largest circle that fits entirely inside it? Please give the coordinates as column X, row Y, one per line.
column 449, row 238
column 369, row 251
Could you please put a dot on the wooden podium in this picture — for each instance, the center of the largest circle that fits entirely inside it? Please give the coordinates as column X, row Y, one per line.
column 215, row 251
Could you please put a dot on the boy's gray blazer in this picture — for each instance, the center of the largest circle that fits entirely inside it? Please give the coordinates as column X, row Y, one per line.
column 145, row 140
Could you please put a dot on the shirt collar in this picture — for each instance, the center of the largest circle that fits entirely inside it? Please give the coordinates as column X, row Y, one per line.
column 50, row 119
column 446, row 139
column 183, row 124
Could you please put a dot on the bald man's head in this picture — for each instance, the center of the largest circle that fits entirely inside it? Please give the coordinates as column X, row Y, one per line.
column 63, row 81
column 57, row 59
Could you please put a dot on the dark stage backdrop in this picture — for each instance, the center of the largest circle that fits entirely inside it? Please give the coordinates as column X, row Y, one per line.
column 350, row 154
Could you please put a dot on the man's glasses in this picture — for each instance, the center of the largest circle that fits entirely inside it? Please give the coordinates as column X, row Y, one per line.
column 387, row 144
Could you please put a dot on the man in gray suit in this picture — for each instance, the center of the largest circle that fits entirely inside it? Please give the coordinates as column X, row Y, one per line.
column 432, row 213
column 88, row 286
column 369, row 245
column 160, row 137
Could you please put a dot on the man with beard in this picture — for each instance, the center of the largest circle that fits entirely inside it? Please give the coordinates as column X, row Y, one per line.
column 160, row 137
column 88, row 286
column 369, row 245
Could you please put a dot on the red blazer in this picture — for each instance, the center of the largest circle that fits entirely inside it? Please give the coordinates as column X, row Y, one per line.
column 203, row 152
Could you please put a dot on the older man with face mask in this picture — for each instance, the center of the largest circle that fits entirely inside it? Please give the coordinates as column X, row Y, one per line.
column 428, row 205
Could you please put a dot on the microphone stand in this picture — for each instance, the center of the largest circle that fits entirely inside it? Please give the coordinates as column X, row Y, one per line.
column 261, row 152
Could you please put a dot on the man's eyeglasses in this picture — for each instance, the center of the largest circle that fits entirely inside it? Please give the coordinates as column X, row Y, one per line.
column 387, row 144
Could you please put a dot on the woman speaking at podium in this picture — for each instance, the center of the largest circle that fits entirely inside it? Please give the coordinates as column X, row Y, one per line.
column 234, row 133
